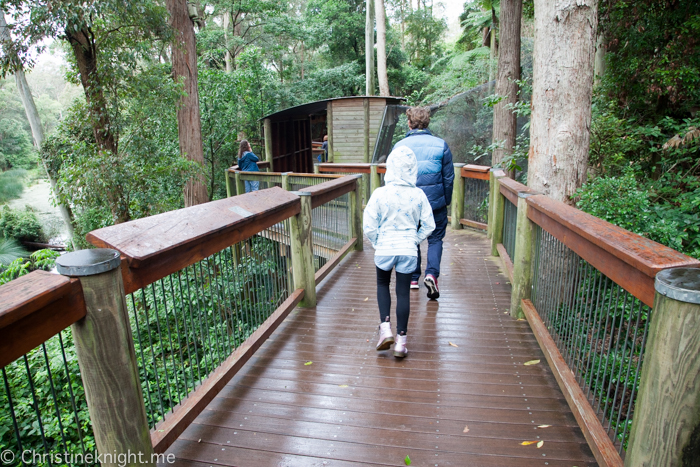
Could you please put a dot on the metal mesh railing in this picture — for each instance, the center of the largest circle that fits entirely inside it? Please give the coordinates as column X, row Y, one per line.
column 476, row 200
column 43, row 412
column 599, row 328
column 330, row 229
column 264, row 179
column 510, row 221
column 298, row 182
column 186, row 324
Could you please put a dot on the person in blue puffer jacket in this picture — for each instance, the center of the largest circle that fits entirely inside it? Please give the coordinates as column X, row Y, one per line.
column 435, row 177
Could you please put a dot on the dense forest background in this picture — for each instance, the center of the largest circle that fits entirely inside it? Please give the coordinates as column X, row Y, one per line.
column 255, row 57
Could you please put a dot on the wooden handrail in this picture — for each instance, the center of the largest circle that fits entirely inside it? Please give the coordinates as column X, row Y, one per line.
column 235, row 169
column 632, row 261
column 479, row 172
column 260, row 164
column 327, row 191
column 35, row 307
column 510, row 189
column 156, row 246
column 344, row 168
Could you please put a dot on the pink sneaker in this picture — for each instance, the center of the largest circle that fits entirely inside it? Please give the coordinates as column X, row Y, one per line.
column 400, row 350
column 414, row 285
column 432, row 285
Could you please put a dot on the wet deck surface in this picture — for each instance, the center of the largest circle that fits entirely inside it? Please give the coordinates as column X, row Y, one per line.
column 462, row 397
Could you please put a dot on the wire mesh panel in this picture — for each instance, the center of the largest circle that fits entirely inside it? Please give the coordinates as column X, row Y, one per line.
column 599, row 328
column 186, row 324
column 330, row 229
column 266, row 181
column 297, row 182
column 44, row 418
column 510, row 221
column 476, row 200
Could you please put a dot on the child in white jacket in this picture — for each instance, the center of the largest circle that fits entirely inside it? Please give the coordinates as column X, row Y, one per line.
column 397, row 218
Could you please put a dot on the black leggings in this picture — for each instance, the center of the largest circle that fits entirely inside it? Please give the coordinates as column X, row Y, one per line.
column 403, row 299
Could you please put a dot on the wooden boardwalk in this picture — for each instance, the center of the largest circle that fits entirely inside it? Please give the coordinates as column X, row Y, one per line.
column 462, row 397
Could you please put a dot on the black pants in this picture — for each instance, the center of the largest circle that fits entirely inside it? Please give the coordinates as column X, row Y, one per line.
column 403, row 299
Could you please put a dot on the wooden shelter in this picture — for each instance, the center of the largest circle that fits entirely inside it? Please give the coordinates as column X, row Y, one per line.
column 351, row 123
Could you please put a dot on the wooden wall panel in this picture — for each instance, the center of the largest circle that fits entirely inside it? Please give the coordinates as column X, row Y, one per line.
column 348, row 128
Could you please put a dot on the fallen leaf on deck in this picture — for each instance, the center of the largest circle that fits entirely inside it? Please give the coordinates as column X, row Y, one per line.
column 540, row 444
column 343, row 385
column 453, row 345
column 521, row 319
column 531, row 362
column 307, row 363
column 366, row 299
column 527, row 443
column 407, row 460
column 543, row 426
column 466, row 429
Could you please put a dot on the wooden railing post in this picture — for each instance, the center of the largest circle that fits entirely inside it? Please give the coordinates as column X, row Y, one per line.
column 356, row 213
column 285, row 181
column 522, row 263
column 496, row 214
column 457, row 197
column 240, row 184
column 666, row 427
column 230, row 188
column 105, row 350
column 302, row 252
column 375, row 180
column 317, row 170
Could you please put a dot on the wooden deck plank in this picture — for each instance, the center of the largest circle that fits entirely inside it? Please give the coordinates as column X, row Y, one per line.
column 355, row 406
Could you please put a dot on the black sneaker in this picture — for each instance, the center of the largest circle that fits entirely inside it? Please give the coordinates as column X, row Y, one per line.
column 432, row 285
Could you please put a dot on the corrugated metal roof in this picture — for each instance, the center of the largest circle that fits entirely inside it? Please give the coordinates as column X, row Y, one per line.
column 319, row 106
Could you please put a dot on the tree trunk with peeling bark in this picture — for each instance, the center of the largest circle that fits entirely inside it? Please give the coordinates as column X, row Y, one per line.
column 504, row 120
column 189, row 124
column 565, row 37
column 382, row 77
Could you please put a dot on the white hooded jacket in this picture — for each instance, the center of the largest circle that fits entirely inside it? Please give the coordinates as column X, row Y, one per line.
column 395, row 210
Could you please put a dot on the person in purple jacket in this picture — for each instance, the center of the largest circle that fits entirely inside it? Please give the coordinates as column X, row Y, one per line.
column 247, row 162
column 435, row 177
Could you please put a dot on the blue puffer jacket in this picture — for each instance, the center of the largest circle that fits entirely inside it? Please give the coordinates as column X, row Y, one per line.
column 435, row 170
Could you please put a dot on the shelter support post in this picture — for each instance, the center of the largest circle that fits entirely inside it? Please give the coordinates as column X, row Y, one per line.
column 457, row 207
column 267, row 127
column 285, row 181
column 302, row 252
column 230, row 181
column 105, row 349
column 666, row 428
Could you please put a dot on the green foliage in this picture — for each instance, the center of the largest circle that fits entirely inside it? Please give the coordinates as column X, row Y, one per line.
column 620, row 201
column 39, row 260
column 11, row 184
column 425, row 31
column 10, row 250
column 21, row 225
column 16, row 150
column 653, row 60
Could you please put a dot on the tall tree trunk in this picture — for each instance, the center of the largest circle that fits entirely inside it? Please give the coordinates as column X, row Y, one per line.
column 565, row 35
column 227, row 55
column 189, row 124
column 382, row 77
column 369, row 49
column 504, row 120
column 32, row 113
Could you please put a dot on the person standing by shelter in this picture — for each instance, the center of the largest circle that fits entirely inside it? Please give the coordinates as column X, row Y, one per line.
column 435, row 177
column 397, row 218
column 247, row 162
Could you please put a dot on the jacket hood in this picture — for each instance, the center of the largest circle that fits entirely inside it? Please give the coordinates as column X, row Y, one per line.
column 401, row 167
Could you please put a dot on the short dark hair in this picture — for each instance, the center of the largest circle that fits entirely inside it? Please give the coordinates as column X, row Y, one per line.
column 419, row 117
